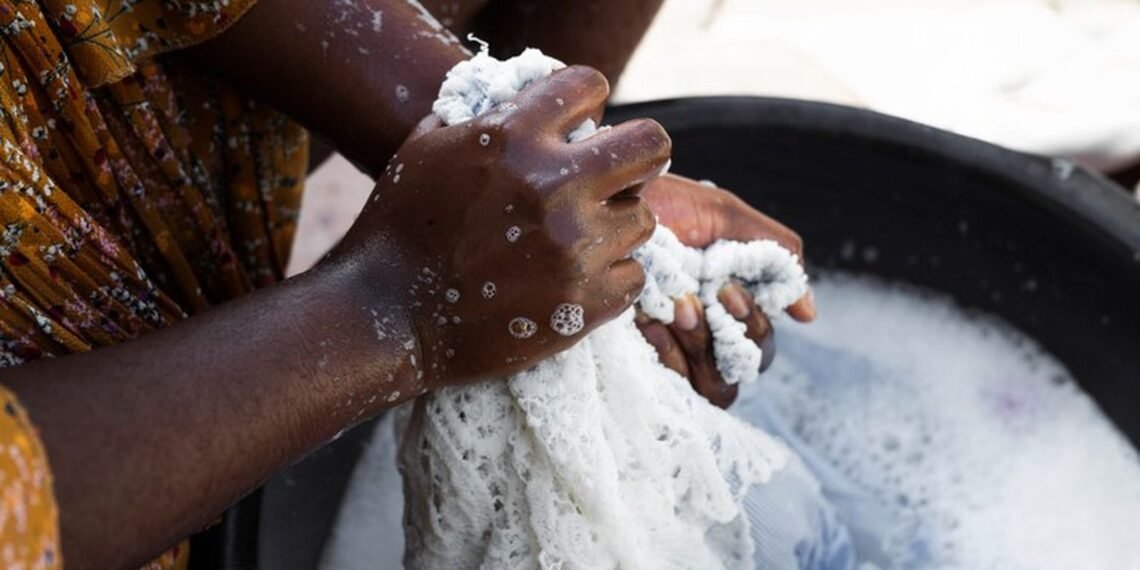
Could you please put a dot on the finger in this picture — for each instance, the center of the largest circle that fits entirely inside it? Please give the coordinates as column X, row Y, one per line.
column 624, row 281
column 692, row 333
column 621, row 159
column 745, row 223
column 803, row 310
column 560, row 102
column 668, row 351
column 627, row 225
column 740, row 304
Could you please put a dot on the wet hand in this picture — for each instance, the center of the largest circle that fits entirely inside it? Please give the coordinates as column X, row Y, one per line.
column 700, row 215
column 512, row 242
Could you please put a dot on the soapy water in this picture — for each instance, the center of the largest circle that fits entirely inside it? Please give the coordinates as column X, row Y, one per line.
column 950, row 438
column 947, row 439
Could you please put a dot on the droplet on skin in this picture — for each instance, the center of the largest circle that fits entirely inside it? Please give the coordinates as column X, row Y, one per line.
column 509, row 208
column 564, row 171
column 560, row 101
column 393, row 396
column 522, row 327
column 402, row 94
column 452, row 296
column 484, row 139
column 396, row 179
column 488, row 290
column 513, row 233
column 568, row 319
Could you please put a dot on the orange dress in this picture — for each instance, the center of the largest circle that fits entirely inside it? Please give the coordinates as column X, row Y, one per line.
column 133, row 193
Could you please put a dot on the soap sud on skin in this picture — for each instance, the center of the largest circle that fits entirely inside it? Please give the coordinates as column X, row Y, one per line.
column 484, row 139
column 402, row 94
column 451, row 295
column 513, row 234
column 488, row 290
column 522, row 328
column 978, row 449
column 568, row 319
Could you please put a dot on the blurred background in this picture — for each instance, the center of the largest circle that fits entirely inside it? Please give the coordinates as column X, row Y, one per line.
column 1053, row 77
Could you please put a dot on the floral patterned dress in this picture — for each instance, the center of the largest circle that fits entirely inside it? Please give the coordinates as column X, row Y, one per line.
column 133, row 193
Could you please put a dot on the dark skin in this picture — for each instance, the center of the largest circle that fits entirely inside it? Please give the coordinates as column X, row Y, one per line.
column 150, row 440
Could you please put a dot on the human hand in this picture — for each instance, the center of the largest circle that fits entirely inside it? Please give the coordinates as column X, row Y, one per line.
column 700, row 215
column 512, row 243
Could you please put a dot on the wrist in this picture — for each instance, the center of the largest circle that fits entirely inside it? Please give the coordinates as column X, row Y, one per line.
column 360, row 338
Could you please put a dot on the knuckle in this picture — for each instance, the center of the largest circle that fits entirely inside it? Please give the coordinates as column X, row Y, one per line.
column 589, row 79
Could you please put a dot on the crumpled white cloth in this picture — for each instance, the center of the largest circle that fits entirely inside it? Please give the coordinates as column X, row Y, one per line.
column 599, row 457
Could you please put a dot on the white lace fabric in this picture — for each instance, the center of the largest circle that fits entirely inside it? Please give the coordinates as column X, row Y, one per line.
column 599, row 457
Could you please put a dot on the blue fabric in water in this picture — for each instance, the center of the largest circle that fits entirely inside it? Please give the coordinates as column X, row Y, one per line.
column 794, row 526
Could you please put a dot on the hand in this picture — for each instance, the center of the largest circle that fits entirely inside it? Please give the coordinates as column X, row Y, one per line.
column 700, row 215
column 513, row 242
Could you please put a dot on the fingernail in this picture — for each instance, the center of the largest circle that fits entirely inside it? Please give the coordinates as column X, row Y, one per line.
column 809, row 304
column 686, row 314
column 736, row 301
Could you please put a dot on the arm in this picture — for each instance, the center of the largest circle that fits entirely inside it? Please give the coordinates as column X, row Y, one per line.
column 599, row 33
column 362, row 74
column 151, row 439
column 358, row 74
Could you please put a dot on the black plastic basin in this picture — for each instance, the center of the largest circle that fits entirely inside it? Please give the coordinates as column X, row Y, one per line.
column 1050, row 247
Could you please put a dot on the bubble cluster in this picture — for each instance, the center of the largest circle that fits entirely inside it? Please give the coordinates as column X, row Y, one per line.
column 568, row 319
column 489, row 290
column 514, row 233
column 958, row 441
column 522, row 327
column 452, row 295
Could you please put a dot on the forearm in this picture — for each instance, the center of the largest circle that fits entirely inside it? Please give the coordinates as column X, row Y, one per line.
column 150, row 440
column 599, row 33
column 360, row 74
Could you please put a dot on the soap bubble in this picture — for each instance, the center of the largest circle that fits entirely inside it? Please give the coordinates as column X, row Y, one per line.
column 489, row 290
column 513, row 233
column 522, row 327
column 568, row 319
column 452, row 295
column 484, row 139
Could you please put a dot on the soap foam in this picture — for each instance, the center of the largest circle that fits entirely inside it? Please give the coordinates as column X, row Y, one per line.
column 977, row 447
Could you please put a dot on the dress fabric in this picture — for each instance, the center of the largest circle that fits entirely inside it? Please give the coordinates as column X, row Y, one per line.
column 134, row 192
